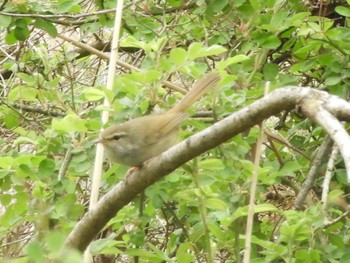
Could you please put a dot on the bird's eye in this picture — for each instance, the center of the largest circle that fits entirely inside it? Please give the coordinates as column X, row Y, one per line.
column 117, row 137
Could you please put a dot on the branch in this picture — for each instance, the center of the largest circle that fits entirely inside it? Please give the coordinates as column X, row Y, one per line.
column 314, row 110
column 103, row 55
column 101, row 12
column 37, row 110
column 322, row 154
column 155, row 169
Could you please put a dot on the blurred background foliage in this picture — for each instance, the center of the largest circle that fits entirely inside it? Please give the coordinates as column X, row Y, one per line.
column 50, row 106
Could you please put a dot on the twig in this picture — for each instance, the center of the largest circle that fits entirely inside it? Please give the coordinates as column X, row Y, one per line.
column 327, row 178
column 65, row 164
column 37, row 110
column 322, row 153
column 313, row 109
column 101, row 12
column 97, row 169
column 119, row 62
column 330, row 223
column 254, row 182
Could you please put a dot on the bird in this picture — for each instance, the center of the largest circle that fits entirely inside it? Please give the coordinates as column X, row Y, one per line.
column 135, row 141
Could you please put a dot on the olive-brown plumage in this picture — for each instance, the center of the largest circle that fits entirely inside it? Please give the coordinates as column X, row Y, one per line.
column 137, row 140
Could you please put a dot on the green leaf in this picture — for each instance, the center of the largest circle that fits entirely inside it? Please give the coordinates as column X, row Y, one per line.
column 6, row 162
column 12, row 119
column 35, row 252
column 21, row 33
column 23, row 93
column 46, row 168
column 28, row 79
column 10, row 38
column 145, row 255
column 105, row 246
column 217, row 5
column 345, row 258
column 289, row 168
column 65, row 6
column 215, row 204
column 149, row 76
column 333, row 80
column 5, row 199
column 93, row 94
column 183, row 254
column 69, row 123
column 54, row 241
column 271, row 42
column 5, row 21
column 130, row 41
column 342, row 10
column 23, row 171
column 46, row 25
column 178, row 56
column 261, row 208
column 270, row 71
column 196, row 50
column 212, row 164
column 233, row 60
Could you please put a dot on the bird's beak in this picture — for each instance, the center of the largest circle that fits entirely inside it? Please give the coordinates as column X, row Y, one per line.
column 99, row 140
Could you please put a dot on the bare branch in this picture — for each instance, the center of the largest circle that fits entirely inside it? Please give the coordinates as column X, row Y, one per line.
column 322, row 153
column 313, row 109
column 327, row 178
column 101, row 12
column 119, row 62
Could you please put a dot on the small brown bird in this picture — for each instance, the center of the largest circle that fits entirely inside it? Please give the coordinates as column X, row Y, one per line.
column 137, row 140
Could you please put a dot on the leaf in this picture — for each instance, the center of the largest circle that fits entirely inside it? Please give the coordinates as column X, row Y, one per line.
column 5, row 21
column 233, row 60
column 270, row 71
column 145, row 255
column 5, row 199
column 333, row 80
column 289, row 168
column 65, row 6
column 46, row 25
column 212, row 164
column 35, row 252
column 6, row 162
column 22, row 93
column 23, row 171
column 93, row 94
column 46, row 168
column 196, row 50
column 261, row 208
column 178, row 56
column 54, row 240
column 215, row 204
column 130, row 41
column 28, row 79
column 183, row 254
column 12, row 119
column 217, row 5
column 271, row 42
column 342, row 10
column 10, row 38
column 21, row 33
column 69, row 123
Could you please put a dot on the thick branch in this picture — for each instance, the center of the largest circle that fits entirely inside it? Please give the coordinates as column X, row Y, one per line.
column 322, row 154
column 138, row 180
column 313, row 109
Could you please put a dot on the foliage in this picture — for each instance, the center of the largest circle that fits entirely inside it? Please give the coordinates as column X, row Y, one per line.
column 50, row 109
